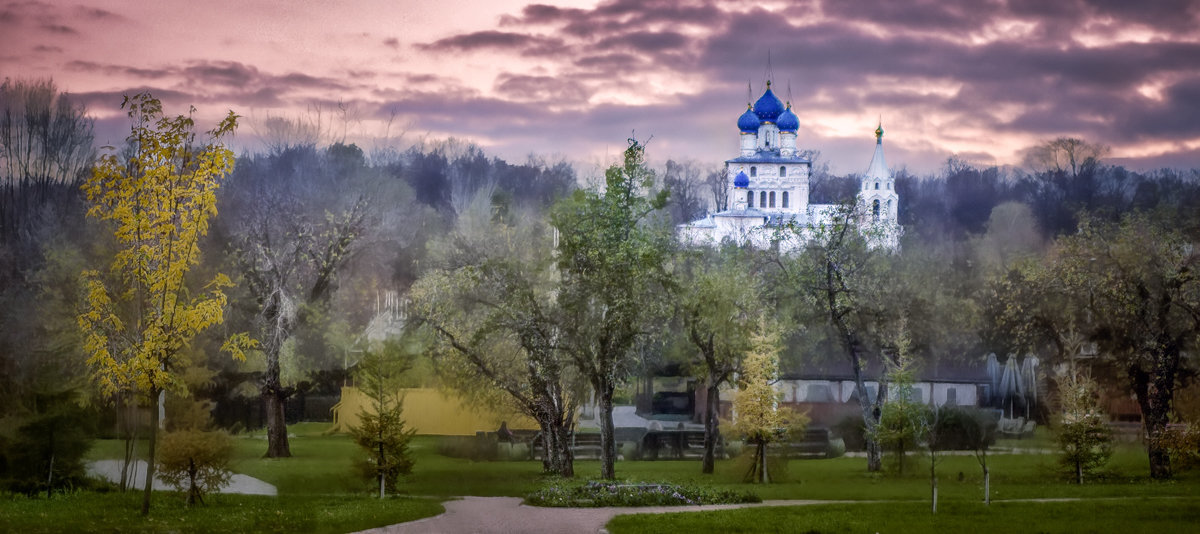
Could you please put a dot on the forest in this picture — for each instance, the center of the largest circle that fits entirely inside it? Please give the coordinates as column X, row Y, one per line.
column 542, row 284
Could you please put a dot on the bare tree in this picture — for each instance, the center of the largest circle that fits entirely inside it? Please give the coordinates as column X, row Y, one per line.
column 298, row 222
column 45, row 151
column 1067, row 155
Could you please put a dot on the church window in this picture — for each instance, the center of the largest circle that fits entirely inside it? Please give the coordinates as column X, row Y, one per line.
column 782, row 172
column 754, row 172
column 876, row 185
column 875, row 209
column 785, row 199
column 889, row 185
column 889, row 208
column 749, row 199
column 762, row 199
column 772, row 197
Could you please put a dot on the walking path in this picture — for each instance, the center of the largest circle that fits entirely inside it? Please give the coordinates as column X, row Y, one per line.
column 505, row 515
column 238, row 483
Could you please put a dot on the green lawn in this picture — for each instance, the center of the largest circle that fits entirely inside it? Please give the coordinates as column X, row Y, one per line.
column 118, row 512
column 1127, row 516
column 320, row 491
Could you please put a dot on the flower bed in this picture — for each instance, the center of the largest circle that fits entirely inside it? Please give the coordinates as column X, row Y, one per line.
column 617, row 493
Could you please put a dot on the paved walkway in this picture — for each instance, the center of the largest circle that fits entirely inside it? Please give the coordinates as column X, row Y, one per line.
column 238, row 483
column 504, row 515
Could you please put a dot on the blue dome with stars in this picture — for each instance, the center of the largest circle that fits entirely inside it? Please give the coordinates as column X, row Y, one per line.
column 748, row 122
column 741, row 181
column 788, row 121
column 768, row 107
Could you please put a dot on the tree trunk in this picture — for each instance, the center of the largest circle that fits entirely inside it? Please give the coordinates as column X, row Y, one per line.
column 711, row 433
column 933, row 479
column 150, row 456
column 763, row 476
column 565, row 465
column 277, row 440
column 608, row 447
column 1154, row 392
column 987, row 486
column 193, row 491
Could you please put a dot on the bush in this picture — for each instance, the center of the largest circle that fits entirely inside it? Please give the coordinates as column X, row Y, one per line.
column 1183, row 444
column 853, row 433
column 45, row 453
column 964, row 429
column 561, row 493
column 195, row 462
column 475, row 448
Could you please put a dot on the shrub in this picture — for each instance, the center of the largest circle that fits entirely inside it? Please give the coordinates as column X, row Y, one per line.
column 45, row 450
column 195, row 462
column 1183, row 444
column 475, row 448
column 561, row 493
column 853, row 432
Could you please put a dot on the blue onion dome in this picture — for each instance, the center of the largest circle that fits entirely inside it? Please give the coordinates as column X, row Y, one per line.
column 748, row 122
column 788, row 121
column 768, row 106
column 741, row 181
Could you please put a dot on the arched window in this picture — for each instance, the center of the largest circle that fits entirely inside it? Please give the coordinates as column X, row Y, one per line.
column 889, row 185
column 754, row 172
column 889, row 208
column 762, row 199
column 749, row 199
column 875, row 209
column 785, row 199
column 876, row 183
column 772, row 199
column 782, row 172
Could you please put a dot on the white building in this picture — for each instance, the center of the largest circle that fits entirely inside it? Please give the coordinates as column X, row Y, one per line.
column 768, row 187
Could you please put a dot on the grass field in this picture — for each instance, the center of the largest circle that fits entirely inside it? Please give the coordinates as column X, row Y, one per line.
column 1127, row 516
column 319, row 491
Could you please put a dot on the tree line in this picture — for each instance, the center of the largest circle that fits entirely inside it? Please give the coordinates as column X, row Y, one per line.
column 531, row 290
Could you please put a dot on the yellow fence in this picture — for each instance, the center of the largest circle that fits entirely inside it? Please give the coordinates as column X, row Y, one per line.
column 431, row 412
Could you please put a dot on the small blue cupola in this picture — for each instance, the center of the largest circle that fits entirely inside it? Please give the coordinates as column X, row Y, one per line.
column 748, row 122
column 741, row 181
column 788, row 121
column 768, row 107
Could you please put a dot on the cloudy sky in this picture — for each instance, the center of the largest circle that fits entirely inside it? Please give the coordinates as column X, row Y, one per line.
column 981, row 79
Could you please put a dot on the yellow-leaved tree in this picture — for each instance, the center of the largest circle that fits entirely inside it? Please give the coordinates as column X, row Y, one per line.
column 758, row 415
column 159, row 198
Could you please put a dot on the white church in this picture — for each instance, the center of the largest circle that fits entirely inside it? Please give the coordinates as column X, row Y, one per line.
column 767, row 187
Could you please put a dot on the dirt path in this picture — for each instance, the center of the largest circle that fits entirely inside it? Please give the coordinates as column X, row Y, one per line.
column 504, row 515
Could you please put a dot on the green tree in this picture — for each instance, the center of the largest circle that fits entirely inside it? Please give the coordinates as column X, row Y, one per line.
column 842, row 282
column 612, row 260
column 1083, row 436
column 1139, row 281
column 160, row 201
column 903, row 419
column 490, row 302
column 381, row 430
column 718, row 300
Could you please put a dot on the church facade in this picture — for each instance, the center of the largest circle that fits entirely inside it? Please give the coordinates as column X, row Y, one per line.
column 768, row 188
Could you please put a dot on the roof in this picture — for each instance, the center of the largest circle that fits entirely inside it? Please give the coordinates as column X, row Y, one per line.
column 765, row 156
column 878, row 169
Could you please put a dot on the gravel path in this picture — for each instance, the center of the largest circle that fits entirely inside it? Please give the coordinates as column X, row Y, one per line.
column 111, row 470
column 504, row 515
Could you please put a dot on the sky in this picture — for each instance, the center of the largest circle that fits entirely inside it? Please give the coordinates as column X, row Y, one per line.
column 979, row 79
